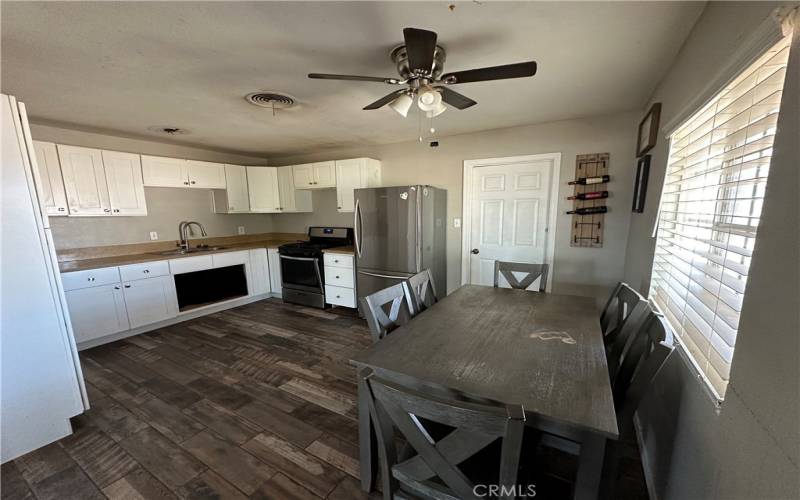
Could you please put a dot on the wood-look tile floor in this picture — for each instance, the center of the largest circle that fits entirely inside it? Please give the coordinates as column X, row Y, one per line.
column 257, row 401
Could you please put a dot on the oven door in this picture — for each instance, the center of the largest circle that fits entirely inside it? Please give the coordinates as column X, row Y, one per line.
column 302, row 273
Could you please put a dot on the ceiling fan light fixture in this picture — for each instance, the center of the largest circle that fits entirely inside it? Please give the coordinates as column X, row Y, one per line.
column 402, row 104
column 438, row 110
column 429, row 100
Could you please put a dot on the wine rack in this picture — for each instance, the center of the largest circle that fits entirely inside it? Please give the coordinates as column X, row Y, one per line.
column 587, row 230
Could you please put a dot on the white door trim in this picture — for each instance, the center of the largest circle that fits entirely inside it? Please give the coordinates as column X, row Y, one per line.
column 552, row 209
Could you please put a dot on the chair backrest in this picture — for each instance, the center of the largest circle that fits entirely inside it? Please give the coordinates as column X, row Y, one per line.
column 623, row 301
column 642, row 359
column 421, row 291
column 507, row 269
column 386, row 310
column 395, row 407
column 618, row 340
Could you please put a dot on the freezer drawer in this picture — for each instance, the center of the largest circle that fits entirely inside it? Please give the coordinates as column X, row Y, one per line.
column 370, row 281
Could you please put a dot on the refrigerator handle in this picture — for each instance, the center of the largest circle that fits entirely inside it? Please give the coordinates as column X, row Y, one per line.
column 357, row 228
column 418, row 239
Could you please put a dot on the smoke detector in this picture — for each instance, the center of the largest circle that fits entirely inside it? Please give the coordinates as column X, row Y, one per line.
column 168, row 130
column 270, row 100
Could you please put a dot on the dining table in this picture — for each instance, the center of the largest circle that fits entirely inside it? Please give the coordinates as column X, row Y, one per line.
column 543, row 351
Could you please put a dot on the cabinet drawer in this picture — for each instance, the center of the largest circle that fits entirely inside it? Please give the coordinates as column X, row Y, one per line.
column 189, row 264
column 339, row 260
column 230, row 258
column 93, row 277
column 339, row 276
column 144, row 270
column 340, row 296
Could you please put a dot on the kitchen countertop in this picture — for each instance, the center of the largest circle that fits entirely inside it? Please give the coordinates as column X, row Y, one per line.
column 343, row 250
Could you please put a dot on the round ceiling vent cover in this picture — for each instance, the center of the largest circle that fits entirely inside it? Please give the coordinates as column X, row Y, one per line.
column 272, row 100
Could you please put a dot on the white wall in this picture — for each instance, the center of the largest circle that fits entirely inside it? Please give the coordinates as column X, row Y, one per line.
column 748, row 448
column 166, row 207
column 584, row 271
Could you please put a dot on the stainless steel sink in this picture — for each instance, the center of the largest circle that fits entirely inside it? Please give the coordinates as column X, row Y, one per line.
column 181, row 251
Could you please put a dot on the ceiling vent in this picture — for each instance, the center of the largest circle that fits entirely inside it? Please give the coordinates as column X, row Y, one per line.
column 271, row 100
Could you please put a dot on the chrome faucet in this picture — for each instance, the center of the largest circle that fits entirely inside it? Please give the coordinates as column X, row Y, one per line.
column 183, row 230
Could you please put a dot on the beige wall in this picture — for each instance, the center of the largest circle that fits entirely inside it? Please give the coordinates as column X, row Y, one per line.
column 583, row 271
column 166, row 207
column 749, row 447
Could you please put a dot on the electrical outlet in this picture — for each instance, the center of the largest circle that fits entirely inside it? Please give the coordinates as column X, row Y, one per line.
column 153, row 235
column 240, row 229
column 456, row 222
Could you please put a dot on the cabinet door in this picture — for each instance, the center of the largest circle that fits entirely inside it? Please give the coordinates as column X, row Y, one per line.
column 324, row 174
column 258, row 281
column 303, row 176
column 150, row 300
column 275, row 271
column 84, row 180
column 51, row 184
column 96, row 312
column 348, row 178
column 262, row 185
column 236, row 187
column 160, row 171
column 204, row 174
column 125, row 185
column 286, row 190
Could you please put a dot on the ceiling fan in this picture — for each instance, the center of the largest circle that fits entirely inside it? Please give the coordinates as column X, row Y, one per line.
column 420, row 63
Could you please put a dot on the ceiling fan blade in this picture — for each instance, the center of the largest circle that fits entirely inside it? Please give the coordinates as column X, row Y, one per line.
column 420, row 46
column 326, row 76
column 518, row 70
column 383, row 101
column 455, row 99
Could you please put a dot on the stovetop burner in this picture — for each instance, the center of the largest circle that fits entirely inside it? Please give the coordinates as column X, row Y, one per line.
column 320, row 238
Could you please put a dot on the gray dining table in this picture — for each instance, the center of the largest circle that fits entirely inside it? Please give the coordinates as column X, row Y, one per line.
column 540, row 350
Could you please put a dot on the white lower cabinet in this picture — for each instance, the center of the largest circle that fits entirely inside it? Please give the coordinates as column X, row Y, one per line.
column 150, row 300
column 275, row 271
column 258, row 276
column 97, row 311
column 340, row 280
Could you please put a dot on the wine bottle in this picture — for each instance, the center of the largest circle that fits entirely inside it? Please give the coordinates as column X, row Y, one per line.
column 596, row 195
column 589, row 211
column 582, row 181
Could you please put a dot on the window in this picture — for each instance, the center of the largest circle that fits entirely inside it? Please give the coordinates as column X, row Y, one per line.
column 713, row 191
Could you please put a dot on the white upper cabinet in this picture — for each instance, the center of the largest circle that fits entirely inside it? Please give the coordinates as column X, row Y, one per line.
column 125, row 186
column 354, row 174
column 84, row 180
column 315, row 175
column 262, row 185
column 158, row 171
column 50, row 183
column 204, row 174
column 234, row 198
column 291, row 199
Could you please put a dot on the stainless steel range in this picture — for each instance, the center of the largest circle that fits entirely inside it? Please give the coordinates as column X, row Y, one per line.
column 302, row 269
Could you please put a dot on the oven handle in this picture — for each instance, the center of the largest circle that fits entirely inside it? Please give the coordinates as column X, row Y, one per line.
column 316, row 267
column 297, row 258
column 357, row 228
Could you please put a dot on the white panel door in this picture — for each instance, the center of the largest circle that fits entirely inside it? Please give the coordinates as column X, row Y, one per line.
column 275, row 271
column 96, row 312
column 160, row 171
column 204, row 174
column 236, row 187
column 348, row 178
column 303, row 176
column 509, row 217
column 324, row 174
column 84, row 180
column 150, row 300
column 51, row 185
column 262, row 185
column 258, row 279
column 125, row 185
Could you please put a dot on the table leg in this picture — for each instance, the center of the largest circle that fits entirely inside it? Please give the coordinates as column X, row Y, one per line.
column 590, row 467
column 368, row 452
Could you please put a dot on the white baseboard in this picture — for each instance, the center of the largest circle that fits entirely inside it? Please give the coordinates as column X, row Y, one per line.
column 646, row 464
column 194, row 313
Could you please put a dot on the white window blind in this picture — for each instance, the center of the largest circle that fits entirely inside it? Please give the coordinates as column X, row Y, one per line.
column 713, row 191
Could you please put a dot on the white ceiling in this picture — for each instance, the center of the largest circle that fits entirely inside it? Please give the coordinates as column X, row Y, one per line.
column 122, row 67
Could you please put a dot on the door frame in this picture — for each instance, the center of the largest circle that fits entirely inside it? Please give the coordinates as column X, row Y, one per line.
column 552, row 206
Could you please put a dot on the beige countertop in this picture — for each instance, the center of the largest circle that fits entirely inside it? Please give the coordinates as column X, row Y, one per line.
column 343, row 250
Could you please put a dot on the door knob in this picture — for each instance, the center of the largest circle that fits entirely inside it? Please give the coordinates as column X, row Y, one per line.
column 475, row 251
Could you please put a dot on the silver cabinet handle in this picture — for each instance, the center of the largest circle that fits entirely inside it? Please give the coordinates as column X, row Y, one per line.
column 127, row 286
column 192, row 182
column 60, row 209
column 106, row 210
column 116, row 288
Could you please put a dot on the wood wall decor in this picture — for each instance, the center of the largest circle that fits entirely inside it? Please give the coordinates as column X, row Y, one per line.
column 587, row 230
column 648, row 130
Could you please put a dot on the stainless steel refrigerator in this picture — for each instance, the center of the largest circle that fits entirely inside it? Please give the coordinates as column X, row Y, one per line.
column 399, row 231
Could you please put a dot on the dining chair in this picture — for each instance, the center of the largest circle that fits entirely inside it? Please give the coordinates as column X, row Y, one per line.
column 507, row 269
column 421, row 291
column 437, row 467
column 386, row 310
column 621, row 306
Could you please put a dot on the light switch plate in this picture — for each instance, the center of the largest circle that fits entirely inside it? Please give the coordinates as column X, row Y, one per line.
column 457, row 222
column 153, row 235
column 240, row 229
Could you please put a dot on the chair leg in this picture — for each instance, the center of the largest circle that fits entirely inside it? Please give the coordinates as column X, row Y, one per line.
column 590, row 467
column 368, row 458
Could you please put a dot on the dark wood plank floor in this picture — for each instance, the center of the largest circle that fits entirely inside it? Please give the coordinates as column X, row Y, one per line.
column 257, row 401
